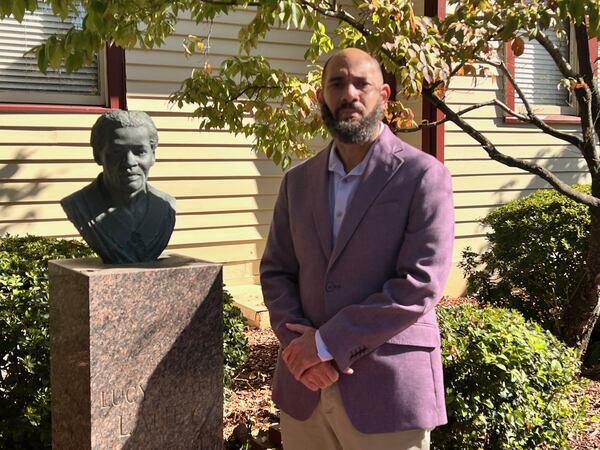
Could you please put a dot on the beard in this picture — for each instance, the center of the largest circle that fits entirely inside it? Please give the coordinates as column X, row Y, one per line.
column 351, row 131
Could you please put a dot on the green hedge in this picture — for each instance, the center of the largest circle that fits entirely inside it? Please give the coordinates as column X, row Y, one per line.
column 534, row 261
column 507, row 383
column 235, row 343
column 24, row 341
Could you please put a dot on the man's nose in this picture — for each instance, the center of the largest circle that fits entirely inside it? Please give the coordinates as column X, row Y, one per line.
column 129, row 159
column 350, row 93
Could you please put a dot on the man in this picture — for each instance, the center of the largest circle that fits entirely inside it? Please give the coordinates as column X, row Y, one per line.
column 356, row 260
column 119, row 215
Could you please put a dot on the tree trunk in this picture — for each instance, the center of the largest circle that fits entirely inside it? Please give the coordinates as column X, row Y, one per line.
column 584, row 307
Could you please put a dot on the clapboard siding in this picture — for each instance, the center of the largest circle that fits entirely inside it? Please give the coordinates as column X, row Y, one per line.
column 52, row 191
column 164, row 170
column 481, row 184
column 223, row 210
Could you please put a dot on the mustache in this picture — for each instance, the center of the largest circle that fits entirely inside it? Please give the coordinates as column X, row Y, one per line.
column 349, row 105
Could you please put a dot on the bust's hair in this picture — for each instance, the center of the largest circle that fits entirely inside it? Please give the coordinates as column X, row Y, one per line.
column 110, row 121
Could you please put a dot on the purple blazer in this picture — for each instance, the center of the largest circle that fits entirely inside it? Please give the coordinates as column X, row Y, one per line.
column 373, row 294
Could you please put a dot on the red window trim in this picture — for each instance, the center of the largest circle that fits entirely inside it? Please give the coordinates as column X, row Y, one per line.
column 432, row 139
column 559, row 119
column 116, row 87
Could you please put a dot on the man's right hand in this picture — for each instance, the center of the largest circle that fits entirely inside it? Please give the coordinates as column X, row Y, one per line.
column 320, row 376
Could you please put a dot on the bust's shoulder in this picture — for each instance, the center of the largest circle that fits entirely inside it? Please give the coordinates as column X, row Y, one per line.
column 160, row 195
column 88, row 195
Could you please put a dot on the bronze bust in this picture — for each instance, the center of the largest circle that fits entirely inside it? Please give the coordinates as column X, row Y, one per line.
column 120, row 216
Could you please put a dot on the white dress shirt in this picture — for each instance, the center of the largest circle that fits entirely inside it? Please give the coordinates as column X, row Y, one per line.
column 342, row 187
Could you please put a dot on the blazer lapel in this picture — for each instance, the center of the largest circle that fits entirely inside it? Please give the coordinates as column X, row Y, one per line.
column 321, row 213
column 382, row 166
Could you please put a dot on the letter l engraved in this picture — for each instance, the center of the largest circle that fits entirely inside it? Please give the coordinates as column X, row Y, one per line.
column 103, row 403
column 121, row 433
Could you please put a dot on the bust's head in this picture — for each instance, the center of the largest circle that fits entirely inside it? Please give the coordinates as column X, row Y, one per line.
column 124, row 144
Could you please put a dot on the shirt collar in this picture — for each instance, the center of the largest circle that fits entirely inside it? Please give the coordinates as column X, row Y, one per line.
column 337, row 166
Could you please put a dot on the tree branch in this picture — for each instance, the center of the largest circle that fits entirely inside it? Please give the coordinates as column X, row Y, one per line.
column 563, row 65
column 495, row 102
column 251, row 87
column 532, row 117
column 504, row 69
column 496, row 155
column 582, row 93
column 333, row 10
column 589, row 102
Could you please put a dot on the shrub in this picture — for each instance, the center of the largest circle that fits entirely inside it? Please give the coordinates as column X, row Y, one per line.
column 235, row 342
column 24, row 343
column 507, row 382
column 537, row 248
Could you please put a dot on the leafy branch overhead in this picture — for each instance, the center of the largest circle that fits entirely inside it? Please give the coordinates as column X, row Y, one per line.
column 248, row 96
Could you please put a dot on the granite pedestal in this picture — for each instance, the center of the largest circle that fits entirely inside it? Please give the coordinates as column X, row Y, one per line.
column 136, row 355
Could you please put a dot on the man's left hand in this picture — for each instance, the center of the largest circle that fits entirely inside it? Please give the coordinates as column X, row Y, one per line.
column 301, row 353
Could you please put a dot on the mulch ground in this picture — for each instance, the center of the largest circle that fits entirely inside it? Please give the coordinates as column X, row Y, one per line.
column 248, row 406
column 248, row 403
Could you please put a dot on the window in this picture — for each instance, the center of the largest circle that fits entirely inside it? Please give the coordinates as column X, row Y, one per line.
column 21, row 83
column 537, row 75
column 539, row 78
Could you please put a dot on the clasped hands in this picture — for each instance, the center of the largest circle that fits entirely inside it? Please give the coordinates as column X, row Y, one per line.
column 304, row 363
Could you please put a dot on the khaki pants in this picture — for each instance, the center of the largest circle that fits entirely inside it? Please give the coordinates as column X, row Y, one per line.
column 329, row 428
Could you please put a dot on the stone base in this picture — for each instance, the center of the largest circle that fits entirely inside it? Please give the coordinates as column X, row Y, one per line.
column 136, row 354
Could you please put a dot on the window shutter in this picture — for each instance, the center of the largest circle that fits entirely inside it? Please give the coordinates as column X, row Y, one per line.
column 20, row 79
column 538, row 76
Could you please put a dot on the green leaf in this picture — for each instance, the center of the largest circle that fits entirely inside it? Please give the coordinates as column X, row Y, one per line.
column 18, row 9
column 42, row 58
column 55, row 53
column 6, row 8
column 73, row 62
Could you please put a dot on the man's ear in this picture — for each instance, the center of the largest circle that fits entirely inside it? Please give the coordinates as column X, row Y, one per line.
column 385, row 91
column 320, row 94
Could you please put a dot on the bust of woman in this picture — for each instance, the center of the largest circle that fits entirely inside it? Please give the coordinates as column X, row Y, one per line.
column 121, row 217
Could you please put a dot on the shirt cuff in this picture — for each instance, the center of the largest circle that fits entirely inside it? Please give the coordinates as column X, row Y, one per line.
column 322, row 351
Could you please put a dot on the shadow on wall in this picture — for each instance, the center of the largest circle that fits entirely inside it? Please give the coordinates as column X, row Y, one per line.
column 569, row 166
column 14, row 190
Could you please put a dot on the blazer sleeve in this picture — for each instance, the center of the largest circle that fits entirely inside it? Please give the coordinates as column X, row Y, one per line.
column 422, row 267
column 279, row 273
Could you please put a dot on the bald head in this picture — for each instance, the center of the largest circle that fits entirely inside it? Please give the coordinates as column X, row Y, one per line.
column 351, row 56
column 352, row 96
